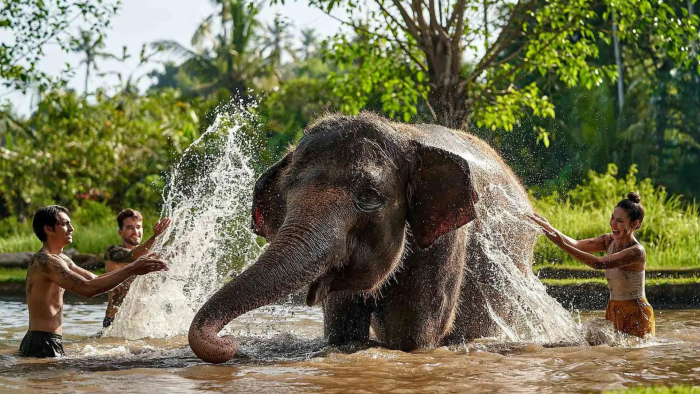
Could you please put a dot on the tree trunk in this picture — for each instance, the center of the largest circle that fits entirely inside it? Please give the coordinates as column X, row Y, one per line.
column 662, row 109
column 620, row 70
column 449, row 103
column 87, row 77
column 447, row 98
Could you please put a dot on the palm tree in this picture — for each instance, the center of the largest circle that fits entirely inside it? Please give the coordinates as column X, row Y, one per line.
column 309, row 42
column 91, row 46
column 222, row 57
column 276, row 42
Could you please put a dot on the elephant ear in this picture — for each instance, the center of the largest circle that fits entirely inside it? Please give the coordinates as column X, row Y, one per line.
column 268, row 202
column 441, row 194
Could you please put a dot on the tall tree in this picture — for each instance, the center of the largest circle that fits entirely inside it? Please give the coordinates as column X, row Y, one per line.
column 438, row 41
column 30, row 25
column 91, row 45
column 276, row 41
column 309, row 42
column 223, row 55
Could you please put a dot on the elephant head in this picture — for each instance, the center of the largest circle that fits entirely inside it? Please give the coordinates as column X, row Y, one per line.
column 335, row 212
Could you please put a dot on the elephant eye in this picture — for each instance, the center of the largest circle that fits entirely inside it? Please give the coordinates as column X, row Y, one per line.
column 369, row 200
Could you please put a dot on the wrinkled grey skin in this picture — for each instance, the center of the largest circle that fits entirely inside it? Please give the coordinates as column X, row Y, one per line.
column 371, row 216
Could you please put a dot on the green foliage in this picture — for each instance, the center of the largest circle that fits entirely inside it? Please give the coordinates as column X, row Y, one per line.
column 92, row 47
column 372, row 68
column 29, row 25
column 16, row 275
column 223, row 59
column 653, row 121
column 670, row 232
column 96, row 151
column 402, row 44
column 505, row 111
column 285, row 112
column 146, row 192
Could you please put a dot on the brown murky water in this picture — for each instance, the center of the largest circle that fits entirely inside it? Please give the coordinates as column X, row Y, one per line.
column 282, row 351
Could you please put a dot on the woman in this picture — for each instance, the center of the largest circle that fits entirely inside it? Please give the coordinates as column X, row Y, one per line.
column 624, row 265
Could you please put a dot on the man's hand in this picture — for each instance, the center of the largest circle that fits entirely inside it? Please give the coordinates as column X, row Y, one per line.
column 161, row 226
column 148, row 263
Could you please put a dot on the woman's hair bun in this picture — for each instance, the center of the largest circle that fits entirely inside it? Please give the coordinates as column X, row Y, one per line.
column 634, row 197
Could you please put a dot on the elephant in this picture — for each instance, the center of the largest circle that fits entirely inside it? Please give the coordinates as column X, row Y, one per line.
column 394, row 227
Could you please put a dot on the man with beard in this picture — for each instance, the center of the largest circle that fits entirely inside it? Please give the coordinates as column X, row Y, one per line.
column 116, row 257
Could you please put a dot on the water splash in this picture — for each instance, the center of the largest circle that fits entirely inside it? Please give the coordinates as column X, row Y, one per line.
column 499, row 270
column 208, row 196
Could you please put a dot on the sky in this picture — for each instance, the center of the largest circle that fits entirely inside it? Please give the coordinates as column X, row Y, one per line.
column 144, row 21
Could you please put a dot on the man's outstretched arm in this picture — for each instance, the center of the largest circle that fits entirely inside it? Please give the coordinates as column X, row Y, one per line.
column 122, row 255
column 60, row 273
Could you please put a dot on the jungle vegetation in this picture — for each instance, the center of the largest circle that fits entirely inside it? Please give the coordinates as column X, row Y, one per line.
column 584, row 99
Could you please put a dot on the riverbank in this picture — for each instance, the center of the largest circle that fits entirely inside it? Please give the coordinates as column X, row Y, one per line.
column 574, row 288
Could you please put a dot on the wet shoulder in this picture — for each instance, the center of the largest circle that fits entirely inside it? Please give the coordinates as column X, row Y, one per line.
column 642, row 251
column 41, row 259
column 42, row 262
column 65, row 258
column 117, row 254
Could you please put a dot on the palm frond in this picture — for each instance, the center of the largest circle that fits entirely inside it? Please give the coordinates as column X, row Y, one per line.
column 183, row 53
column 203, row 32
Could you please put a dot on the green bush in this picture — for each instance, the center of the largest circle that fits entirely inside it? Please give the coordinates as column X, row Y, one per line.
column 79, row 149
column 670, row 231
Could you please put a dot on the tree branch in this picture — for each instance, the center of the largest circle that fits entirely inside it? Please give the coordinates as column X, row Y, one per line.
column 417, row 7
column 504, row 38
column 412, row 28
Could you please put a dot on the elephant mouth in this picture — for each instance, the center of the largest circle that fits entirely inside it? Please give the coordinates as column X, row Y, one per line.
column 347, row 277
column 318, row 290
column 328, row 282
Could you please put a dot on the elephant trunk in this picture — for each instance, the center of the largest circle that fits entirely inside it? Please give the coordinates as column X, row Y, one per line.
column 295, row 258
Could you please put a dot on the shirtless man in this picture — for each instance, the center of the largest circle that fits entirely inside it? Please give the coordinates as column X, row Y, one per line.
column 116, row 257
column 51, row 272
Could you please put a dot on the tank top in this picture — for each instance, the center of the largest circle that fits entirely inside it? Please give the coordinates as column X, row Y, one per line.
column 625, row 285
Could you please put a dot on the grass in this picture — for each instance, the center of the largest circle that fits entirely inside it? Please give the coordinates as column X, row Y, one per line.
column 12, row 274
column 670, row 232
column 602, row 281
column 658, row 390
column 95, row 230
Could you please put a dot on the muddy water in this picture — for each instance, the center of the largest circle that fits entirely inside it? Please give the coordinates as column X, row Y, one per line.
column 282, row 351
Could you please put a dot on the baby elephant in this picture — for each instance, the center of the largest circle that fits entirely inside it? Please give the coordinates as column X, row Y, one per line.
column 386, row 225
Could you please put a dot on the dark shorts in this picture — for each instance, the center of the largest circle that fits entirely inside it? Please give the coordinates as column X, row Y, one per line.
column 41, row 344
column 107, row 322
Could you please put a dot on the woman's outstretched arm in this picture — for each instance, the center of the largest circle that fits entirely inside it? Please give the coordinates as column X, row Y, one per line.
column 590, row 245
column 623, row 258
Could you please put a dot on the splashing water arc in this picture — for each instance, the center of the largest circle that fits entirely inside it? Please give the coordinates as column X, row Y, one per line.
column 209, row 196
column 501, row 244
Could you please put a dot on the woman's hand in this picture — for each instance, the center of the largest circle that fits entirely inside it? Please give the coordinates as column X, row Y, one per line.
column 554, row 236
column 542, row 222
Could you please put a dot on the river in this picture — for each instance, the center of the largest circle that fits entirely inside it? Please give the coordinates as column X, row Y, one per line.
column 282, row 350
